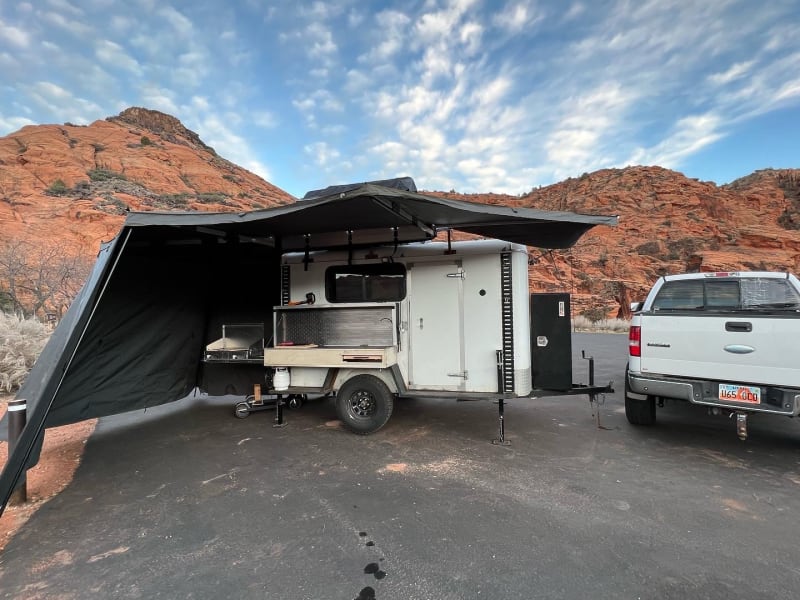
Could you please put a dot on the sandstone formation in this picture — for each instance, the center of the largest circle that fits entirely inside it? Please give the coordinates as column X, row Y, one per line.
column 668, row 223
column 73, row 185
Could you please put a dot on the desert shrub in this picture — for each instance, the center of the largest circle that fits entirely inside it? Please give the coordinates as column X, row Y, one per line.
column 596, row 313
column 649, row 249
column 211, row 198
column 57, row 188
column 174, row 200
column 146, row 141
column 105, row 175
column 582, row 323
column 21, row 342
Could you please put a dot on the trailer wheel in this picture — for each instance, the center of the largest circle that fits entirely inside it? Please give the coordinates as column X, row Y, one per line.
column 295, row 401
column 241, row 410
column 364, row 404
column 639, row 412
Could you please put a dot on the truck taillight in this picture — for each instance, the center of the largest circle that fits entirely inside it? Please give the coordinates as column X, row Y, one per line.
column 635, row 340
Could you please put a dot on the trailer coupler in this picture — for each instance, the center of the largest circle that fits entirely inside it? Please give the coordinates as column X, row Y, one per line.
column 741, row 425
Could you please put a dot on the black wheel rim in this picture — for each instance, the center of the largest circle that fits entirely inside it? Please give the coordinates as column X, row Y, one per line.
column 362, row 404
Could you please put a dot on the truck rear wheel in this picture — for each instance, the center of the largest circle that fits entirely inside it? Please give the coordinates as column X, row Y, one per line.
column 364, row 404
column 639, row 412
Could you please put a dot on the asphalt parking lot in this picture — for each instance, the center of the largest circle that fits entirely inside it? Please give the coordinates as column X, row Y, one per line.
column 188, row 501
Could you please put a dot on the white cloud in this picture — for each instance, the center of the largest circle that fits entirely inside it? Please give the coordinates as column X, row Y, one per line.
column 321, row 44
column 322, row 100
column 213, row 129
column 177, row 20
column 355, row 18
column 322, row 153
column 689, row 135
column 391, row 29
column 76, row 28
column 516, row 16
column 11, row 124
column 304, row 104
column 576, row 141
column 494, row 91
column 122, row 24
column 14, row 35
column 159, row 99
column 333, row 130
column 114, row 55
column 320, row 11
column 470, row 37
column 65, row 6
column 62, row 105
column 575, row 10
column 51, row 91
column 789, row 90
column 8, row 61
column 736, row 71
column 265, row 119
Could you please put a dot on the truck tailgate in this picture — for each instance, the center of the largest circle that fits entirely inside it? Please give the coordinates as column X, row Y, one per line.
column 741, row 348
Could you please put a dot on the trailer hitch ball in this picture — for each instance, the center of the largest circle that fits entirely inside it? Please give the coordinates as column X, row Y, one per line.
column 741, row 425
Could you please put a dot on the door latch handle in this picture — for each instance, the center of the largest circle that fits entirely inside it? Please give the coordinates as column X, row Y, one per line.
column 420, row 323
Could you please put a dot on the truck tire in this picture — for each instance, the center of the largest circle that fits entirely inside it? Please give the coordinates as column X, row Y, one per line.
column 364, row 404
column 639, row 412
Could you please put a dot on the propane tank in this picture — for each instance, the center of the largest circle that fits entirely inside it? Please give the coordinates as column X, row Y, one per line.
column 281, row 379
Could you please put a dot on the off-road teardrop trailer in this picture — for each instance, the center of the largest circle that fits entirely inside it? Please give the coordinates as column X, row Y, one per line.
column 142, row 330
column 432, row 319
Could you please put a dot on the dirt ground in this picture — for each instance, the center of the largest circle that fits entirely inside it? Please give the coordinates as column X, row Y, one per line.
column 61, row 455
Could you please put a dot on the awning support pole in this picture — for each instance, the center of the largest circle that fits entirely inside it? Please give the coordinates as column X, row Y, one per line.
column 17, row 417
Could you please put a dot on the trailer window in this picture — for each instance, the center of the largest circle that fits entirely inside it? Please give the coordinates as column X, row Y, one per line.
column 383, row 282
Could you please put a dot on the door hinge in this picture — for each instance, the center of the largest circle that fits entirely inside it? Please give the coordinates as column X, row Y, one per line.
column 458, row 274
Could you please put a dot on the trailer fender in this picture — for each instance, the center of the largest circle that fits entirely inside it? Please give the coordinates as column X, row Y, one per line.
column 384, row 375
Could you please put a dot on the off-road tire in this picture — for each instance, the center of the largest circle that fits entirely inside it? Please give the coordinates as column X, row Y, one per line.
column 364, row 404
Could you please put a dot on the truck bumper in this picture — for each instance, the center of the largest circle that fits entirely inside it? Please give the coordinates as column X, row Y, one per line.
column 774, row 399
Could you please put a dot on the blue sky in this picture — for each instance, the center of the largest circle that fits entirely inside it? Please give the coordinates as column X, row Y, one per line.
column 471, row 95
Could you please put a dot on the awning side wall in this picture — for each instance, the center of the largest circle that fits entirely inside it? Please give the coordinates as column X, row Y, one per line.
column 43, row 381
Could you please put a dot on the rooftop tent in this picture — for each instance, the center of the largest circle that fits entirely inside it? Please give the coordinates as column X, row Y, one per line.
column 160, row 291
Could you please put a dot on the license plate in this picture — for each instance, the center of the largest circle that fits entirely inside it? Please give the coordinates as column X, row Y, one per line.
column 739, row 393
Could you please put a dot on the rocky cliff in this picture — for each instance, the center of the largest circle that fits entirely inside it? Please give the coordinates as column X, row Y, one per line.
column 668, row 223
column 73, row 184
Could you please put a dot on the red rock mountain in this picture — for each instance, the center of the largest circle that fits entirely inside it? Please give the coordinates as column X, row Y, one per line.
column 73, row 184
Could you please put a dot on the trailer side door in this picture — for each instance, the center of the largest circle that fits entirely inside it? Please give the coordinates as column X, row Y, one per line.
column 436, row 327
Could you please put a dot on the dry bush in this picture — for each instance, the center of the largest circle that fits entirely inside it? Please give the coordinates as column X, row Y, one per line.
column 582, row 323
column 21, row 342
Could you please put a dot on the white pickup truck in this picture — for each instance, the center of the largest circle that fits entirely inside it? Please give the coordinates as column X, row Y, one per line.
column 729, row 341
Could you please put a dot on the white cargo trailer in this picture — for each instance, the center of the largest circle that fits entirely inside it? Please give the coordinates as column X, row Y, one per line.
column 422, row 319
